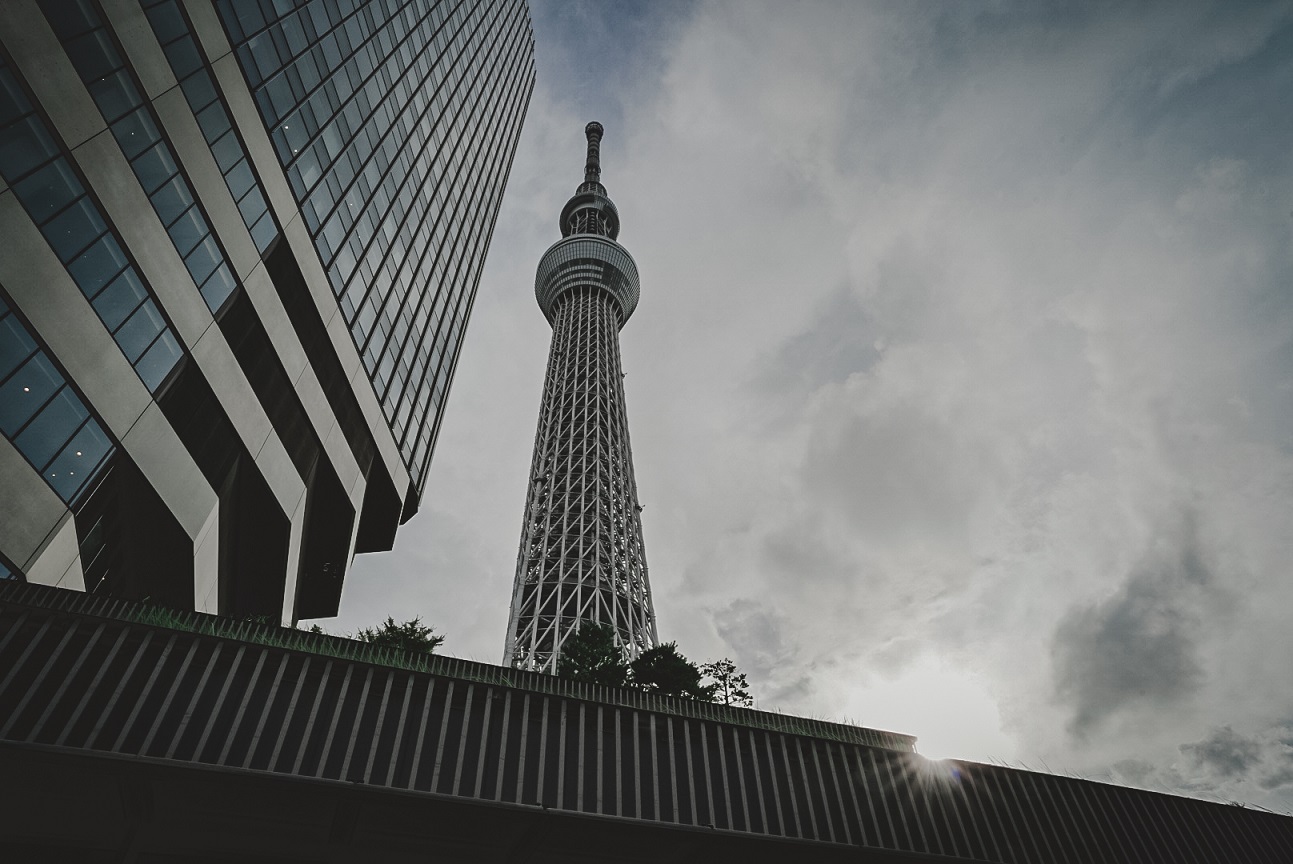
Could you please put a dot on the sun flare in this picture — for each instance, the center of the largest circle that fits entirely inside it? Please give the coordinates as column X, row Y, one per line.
column 949, row 709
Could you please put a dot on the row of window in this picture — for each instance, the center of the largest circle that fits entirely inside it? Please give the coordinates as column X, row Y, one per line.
column 372, row 183
column 409, row 392
column 375, row 113
column 397, row 367
column 48, row 187
column 489, row 171
column 42, row 416
column 171, row 27
column 89, row 46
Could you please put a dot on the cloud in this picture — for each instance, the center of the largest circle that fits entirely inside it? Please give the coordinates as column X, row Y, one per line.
column 839, row 342
column 1137, row 649
column 1278, row 778
column 1224, row 753
column 758, row 638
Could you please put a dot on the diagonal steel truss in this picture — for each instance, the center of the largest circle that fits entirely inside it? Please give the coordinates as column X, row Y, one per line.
column 581, row 557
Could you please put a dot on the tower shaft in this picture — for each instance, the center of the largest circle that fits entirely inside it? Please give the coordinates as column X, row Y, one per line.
column 581, row 557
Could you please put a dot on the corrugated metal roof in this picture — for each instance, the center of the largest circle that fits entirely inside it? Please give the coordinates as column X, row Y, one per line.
column 76, row 672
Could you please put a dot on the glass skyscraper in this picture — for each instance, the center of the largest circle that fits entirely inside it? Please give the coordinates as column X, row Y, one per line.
column 242, row 244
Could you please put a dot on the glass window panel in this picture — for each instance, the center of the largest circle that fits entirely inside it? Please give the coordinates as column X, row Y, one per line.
column 199, row 90
column 171, row 200
column 49, row 190
column 248, row 64
column 213, row 120
column 280, row 95
column 252, row 206
column 120, row 298
column 332, row 140
column 262, row 100
column 155, row 166
column 23, row 146
column 295, row 33
column 167, row 22
column 226, row 150
column 264, row 232
column 188, row 230
column 139, row 331
column 93, row 55
column 79, row 461
column 74, row 229
column 319, row 18
column 15, row 344
column 46, row 434
column 159, row 361
column 203, row 260
column 279, row 142
column 74, row 18
column 240, row 180
column 23, row 394
column 308, row 165
column 334, row 231
column 115, row 95
column 136, row 132
column 94, row 267
column 331, row 52
column 13, row 102
column 218, row 287
column 184, row 57
column 295, row 132
column 309, row 71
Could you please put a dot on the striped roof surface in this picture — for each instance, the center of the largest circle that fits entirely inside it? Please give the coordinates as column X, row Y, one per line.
column 82, row 673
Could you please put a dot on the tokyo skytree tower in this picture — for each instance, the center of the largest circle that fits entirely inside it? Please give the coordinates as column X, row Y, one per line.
column 581, row 557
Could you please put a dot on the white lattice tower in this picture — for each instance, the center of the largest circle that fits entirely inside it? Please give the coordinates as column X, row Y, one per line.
column 581, row 556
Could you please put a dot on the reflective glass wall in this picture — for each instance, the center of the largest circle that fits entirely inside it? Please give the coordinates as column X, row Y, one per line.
column 42, row 415
column 395, row 122
column 51, row 190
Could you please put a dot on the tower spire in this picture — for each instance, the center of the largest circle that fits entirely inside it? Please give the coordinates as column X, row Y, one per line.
column 590, row 211
column 581, row 558
column 593, row 167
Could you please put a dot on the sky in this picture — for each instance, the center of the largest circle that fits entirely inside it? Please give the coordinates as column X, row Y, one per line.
column 961, row 385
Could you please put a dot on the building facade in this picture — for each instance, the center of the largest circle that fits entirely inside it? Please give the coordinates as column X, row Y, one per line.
column 581, row 557
column 242, row 241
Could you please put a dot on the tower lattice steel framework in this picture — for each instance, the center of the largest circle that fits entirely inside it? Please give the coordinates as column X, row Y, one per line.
column 581, row 556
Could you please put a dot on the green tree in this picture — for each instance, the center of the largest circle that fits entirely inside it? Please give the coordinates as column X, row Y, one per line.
column 663, row 670
column 728, row 685
column 590, row 655
column 411, row 635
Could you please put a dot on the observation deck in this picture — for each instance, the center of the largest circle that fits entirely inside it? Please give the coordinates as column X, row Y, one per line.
column 587, row 261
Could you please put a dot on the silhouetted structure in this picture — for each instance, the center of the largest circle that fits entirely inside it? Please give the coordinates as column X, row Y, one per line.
column 581, row 556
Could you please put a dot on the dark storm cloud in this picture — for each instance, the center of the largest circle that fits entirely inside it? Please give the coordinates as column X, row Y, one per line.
column 1224, row 752
column 1137, row 649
